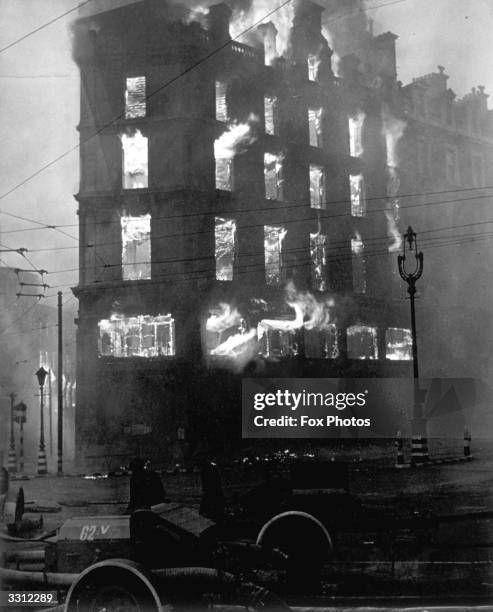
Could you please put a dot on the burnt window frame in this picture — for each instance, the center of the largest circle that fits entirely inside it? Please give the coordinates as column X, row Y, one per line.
column 134, row 75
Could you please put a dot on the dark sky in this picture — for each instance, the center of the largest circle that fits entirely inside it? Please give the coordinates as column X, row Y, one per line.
column 40, row 95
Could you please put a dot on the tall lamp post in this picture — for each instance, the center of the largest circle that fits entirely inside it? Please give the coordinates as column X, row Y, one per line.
column 41, row 375
column 419, row 443
column 12, row 459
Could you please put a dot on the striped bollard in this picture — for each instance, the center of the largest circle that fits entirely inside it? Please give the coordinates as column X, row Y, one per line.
column 467, row 444
column 42, row 465
column 399, row 445
column 419, row 450
column 12, row 461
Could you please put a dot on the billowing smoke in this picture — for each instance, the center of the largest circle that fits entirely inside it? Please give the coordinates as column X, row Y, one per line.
column 246, row 13
column 345, row 26
column 392, row 130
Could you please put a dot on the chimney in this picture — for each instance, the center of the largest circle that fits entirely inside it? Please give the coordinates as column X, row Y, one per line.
column 382, row 55
column 306, row 33
column 268, row 31
column 218, row 23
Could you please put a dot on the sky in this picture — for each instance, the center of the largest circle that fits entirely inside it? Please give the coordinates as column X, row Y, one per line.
column 39, row 98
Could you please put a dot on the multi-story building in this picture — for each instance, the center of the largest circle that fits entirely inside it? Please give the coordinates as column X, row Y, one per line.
column 446, row 175
column 234, row 221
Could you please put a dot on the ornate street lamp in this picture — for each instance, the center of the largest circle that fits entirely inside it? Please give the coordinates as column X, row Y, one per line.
column 41, row 375
column 12, row 459
column 419, row 444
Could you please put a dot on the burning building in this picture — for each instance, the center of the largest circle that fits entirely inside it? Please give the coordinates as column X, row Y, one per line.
column 237, row 218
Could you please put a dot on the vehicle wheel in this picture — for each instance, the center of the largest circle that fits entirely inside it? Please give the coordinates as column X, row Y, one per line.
column 304, row 540
column 113, row 586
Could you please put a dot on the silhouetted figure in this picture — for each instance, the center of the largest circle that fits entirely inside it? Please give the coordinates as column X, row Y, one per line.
column 146, row 487
column 155, row 488
column 212, row 503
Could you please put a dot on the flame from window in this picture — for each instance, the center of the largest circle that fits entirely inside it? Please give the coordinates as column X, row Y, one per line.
column 273, row 175
column 358, row 264
column 270, row 114
column 221, row 101
column 317, row 186
column 399, row 344
column 135, row 97
column 313, row 62
column 229, row 334
column 362, row 342
column 139, row 336
column 318, row 257
column 357, row 193
column 356, row 134
column 222, row 318
column 136, row 247
column 315, row 126
column 135, row 164
column 273, row 239
column 225, row 232
column 236, row 139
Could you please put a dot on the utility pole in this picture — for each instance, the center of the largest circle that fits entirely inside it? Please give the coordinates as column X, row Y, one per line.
column 21, row 412
column 12, row 459
column 22, row 420
column 419, row 443
column 50, row 409
column 60, row 387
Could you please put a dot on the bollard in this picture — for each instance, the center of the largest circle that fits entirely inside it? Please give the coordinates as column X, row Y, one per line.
column 42, row 465
column 467, row 444
column 12, row 461
column 419, row 450
column 399, row 445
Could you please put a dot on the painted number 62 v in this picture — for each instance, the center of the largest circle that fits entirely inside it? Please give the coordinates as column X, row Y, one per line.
column 88, row 532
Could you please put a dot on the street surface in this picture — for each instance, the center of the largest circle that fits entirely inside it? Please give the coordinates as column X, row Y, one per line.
column 453, row 559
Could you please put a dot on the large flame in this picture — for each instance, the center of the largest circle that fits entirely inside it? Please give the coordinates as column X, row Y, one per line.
column 235, row 139
column 135, row 164
column 246, row 16
column 309, row 313
column 243, row 342
column 222, row 318
column 356, row 134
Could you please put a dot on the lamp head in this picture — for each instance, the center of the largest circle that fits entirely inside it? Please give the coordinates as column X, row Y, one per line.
column 41, row 375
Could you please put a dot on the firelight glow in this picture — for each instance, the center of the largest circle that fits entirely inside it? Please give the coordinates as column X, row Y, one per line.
column 135, row 165
column 243, row 19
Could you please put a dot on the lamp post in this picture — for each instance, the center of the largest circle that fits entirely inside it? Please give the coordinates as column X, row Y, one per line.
column 419, row 444
column 12, row 459
column 41, row 375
